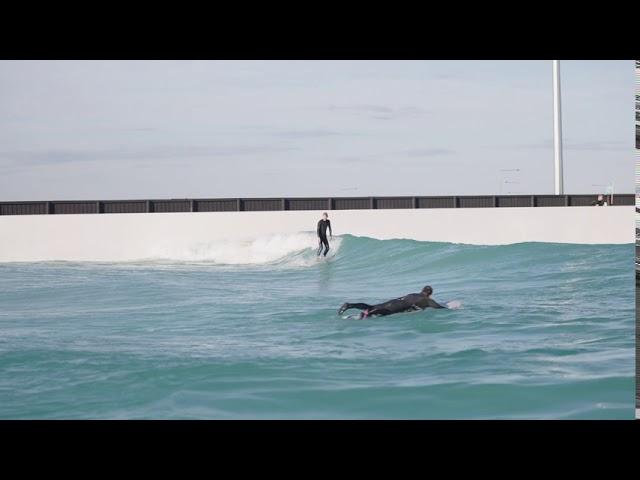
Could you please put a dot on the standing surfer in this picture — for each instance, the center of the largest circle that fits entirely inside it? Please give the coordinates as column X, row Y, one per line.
column 323, row 224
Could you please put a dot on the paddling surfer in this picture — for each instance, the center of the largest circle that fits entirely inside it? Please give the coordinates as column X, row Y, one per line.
column 408, row 303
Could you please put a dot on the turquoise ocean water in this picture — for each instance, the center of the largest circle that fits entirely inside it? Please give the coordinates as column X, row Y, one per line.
column 252, row 331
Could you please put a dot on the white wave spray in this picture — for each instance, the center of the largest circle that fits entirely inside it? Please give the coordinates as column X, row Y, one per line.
column 298, row 249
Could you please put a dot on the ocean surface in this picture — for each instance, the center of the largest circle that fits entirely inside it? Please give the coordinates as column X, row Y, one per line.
column 251, row 331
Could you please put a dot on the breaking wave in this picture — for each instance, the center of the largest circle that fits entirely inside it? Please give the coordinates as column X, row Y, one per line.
column 294, row 249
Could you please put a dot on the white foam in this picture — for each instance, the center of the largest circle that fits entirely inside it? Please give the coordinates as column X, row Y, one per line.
column 296, row 249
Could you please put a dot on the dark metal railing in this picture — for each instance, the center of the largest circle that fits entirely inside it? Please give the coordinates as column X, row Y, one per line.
column 315, row 203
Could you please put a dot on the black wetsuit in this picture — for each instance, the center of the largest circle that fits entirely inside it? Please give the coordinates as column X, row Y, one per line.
column 408, row 303
column 322, row 235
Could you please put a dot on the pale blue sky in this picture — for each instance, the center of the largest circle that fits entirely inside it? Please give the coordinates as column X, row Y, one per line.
column 150, row 129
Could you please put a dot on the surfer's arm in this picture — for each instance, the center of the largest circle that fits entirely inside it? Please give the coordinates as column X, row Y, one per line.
column 330, row 231
column 434, row 304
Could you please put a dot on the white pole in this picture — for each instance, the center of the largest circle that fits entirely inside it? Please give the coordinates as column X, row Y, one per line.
column 557, row 129
column 613, row 186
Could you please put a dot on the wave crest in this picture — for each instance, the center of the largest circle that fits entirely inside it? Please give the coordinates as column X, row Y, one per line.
column 297, row 249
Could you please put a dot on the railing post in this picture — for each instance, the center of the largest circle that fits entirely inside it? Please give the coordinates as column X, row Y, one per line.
column 148, row 206
column 495, row 201
column 239, row 204
column 414, row 201
column 49, row 209
column 567, row 202
column 455, row 202
column 372, row 203
column 533, row 200
column 329, row 203
column 98, row 205
column 284, row 204
column 192, row 205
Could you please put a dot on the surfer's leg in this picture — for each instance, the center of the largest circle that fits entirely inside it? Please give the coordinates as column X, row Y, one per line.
column 326, row 246
column 323, row 243
column 393, row 306
column 359, row 306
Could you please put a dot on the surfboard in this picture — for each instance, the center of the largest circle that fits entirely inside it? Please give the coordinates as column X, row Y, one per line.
column 453, row 304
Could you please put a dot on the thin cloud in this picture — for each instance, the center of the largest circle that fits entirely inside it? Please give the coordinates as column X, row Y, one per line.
column 598, row 146
column 428, row 152
column 317, row 133
column 604, row 146
column 356, row 159
column 451, row 76
column 380, row 112
column 56, row 157
column 405, row 157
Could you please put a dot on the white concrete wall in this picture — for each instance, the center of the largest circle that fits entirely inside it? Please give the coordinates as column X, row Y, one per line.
column 122, row 237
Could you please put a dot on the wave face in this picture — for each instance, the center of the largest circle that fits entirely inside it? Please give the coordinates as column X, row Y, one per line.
column 250, row 330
